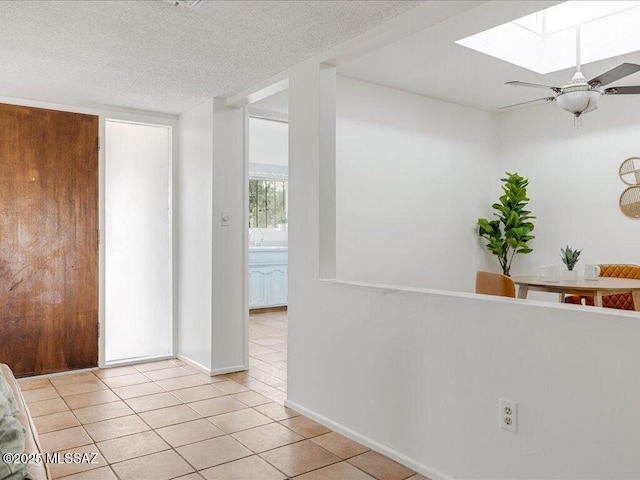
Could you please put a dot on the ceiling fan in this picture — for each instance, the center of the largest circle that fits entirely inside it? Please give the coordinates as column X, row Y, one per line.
column 580, row 95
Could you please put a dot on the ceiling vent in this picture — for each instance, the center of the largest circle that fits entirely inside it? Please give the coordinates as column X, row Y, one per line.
column 186, row 3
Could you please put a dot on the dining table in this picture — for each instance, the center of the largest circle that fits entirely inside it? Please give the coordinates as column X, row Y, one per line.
column 598, row 288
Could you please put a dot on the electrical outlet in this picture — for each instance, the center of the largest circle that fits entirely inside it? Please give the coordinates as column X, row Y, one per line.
column 508, row 415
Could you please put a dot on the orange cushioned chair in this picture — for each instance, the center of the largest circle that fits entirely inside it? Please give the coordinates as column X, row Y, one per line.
column 621, row 301
column 489, row 283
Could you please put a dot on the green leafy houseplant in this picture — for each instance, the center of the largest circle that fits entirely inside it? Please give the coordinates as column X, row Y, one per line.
column 510, row 233
column 569, row 257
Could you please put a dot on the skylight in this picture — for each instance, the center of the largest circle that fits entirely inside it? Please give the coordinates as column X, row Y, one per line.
column 544, row 41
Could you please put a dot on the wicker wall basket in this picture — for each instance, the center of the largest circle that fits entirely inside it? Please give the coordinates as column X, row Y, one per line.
column 630, row 201
column 630, row 171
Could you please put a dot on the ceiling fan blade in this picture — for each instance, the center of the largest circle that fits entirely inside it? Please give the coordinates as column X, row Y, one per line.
column 547, row 99
column 621, row 71
column 631, row 90
column 534, row 85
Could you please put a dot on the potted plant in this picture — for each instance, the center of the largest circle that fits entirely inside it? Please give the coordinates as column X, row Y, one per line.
column 570, row 258
column 511, row 232
column 282, row 225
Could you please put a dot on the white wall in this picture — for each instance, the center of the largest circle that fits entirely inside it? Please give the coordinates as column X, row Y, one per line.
column 418, row 374
column 414, row 174
column 229, row 324
column 195, row 241
column 412, row 179
column 574, row 183
column 212, row 322
column 304, row 218
column 268, row 142
column 276, row 104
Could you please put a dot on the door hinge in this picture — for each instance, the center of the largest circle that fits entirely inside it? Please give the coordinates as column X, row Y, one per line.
column 98, row 236
column 98, row 143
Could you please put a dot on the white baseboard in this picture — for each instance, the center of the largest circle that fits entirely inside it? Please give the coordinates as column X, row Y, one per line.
column 208, row 371
column 137, row 361
column 366, row 441
column 222, row 371
column 195, row 365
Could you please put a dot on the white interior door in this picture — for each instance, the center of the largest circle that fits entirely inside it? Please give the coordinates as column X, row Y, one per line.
column 138, row 248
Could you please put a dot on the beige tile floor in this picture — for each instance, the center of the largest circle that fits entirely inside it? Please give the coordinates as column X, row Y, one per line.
column 166, row 420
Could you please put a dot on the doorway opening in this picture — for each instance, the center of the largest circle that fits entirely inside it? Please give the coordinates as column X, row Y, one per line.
column 268, row 205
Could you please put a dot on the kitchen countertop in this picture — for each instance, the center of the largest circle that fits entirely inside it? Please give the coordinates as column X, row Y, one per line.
column 269, row 248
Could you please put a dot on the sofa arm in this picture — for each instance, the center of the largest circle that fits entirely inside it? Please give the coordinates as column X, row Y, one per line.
column 37, row 471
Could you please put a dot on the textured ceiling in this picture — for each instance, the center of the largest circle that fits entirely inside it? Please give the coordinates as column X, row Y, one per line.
column 152, row 55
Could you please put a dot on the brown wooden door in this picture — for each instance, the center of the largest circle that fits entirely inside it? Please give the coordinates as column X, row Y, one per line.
column 48, row 240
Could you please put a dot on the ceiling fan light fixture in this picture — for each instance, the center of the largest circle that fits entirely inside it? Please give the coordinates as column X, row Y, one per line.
column 580, row 96
column 578, row 102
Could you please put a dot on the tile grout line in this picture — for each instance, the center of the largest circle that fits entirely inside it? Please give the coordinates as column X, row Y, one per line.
column 171, row 447
column 244, row 379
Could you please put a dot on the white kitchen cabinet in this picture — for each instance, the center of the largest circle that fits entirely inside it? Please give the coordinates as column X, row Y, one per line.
column 268, row 276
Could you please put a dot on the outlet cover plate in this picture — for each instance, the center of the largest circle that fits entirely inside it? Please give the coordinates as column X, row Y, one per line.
column 508, row 415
